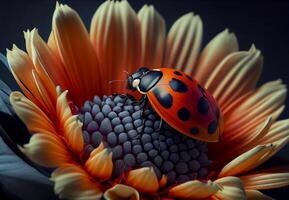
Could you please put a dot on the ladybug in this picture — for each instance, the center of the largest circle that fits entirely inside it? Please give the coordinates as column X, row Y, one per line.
column 180, row 101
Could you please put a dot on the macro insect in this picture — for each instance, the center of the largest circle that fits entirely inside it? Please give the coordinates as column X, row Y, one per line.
column 179, row 100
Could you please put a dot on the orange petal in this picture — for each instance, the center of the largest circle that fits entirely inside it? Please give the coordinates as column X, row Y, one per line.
column 70, row 124
column 21, row 67
column 72, row 182
column 244, row 119
column 121, row 191
column 231, row 188
column 115, row 35
column 33, row 117
column 267, row 179
column 249, row 139
column 46, row 64
column 73, row 134
column 76, row 53
column 143, row 179
column 257, row 195
column 100, row 164
column 34, row 88
column 184, row 42
column 46, row 150
column 248, row 160
column 194, row 190
column 153, row 34
column 236, row 75
column 215, row 51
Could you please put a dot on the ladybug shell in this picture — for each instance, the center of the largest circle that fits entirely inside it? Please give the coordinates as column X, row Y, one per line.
column 186, row 106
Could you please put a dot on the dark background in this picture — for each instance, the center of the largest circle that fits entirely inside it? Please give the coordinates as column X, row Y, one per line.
column 266, row 24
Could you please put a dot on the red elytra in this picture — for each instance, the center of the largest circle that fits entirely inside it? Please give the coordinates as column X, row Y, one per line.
column 180, row 101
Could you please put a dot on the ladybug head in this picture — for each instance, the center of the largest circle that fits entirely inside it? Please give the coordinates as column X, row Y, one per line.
column 134, row 78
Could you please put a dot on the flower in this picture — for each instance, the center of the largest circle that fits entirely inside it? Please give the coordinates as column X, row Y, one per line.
column 78, row 121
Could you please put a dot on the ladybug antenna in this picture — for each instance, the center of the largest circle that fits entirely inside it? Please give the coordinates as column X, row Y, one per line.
column 113, row 81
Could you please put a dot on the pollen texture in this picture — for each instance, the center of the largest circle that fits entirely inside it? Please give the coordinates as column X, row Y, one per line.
column 137, row 139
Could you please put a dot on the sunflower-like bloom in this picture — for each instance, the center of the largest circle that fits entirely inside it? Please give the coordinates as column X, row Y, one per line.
column 83, row 128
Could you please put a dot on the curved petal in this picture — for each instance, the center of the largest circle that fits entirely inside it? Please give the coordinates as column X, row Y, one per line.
column 21, row 67
column 100, row 163
column 153, row 34
column 143, row 179
column 257, row 195
column 46, row 64
column 267, row 179
column 232, row 188
column 38, row 90
column 72, row 182
column 245, row 117
column 183, row 43
column 236, row 75
column 279, row 130
column 216, row 50
column 194, row 189
column 115, row 35
column 46, row 150
column 76, row 53
column 71, row 125
column 34, row 118
column 249, row 160
column 121, row 191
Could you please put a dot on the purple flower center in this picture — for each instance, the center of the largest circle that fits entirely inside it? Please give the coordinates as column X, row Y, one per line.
column 137, row 140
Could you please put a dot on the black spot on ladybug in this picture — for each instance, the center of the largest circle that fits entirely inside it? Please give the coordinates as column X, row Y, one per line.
column 203, row 106
column 188, row 77
column 164, row 98
column 183, row 114
column 178, row 86
column 194, row 130
column 201, row 89
column 177, row 73
column 212, row 127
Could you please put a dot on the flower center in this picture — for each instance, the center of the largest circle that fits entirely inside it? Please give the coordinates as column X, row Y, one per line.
column 138, row 140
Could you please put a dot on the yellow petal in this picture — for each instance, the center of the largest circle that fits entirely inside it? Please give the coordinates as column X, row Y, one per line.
column 216, row 50
column 247, row 161
column 115, row 35
column 279, row 130
column 46, row 150
column 257, row 195
column 267, row 179
column 184, row 42
column 194, row 190
column 236, row 75
column 143, row 179
column 121, row 191
column 153, row 34
column 232, row 188
column 76, row 53
column 33, row 117
column 72, row 182
column 100, row 164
